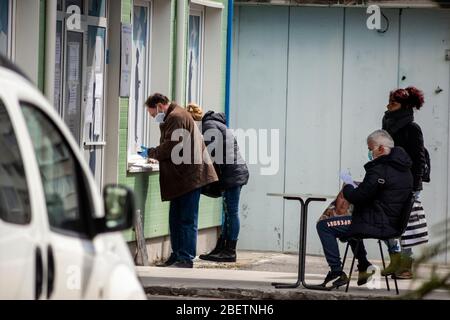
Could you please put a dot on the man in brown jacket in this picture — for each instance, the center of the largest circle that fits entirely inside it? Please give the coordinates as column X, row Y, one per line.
column 184, row 168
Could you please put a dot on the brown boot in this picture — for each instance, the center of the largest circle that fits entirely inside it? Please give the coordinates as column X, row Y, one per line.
column 394, row 266
column 405, row 270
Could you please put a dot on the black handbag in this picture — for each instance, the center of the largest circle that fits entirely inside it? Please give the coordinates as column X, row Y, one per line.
column 214, row 190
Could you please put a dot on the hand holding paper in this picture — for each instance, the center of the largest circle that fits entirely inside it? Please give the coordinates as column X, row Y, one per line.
column 347, row 178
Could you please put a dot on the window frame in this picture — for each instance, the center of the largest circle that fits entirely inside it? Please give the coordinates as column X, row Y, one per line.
column 83, row 188
column 84, row 141
column 197, row 10
column 133, row 158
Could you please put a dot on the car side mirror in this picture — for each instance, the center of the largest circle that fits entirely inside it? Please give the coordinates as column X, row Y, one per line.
column 119, row 209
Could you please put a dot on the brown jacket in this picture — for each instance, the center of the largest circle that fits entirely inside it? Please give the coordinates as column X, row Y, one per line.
column 193, row 167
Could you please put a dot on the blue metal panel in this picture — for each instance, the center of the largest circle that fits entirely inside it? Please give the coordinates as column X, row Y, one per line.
column 327, row 89
column 425, row 37
column 313, row 114
column 259, row 102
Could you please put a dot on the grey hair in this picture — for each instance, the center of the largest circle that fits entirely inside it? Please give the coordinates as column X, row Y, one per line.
column 381, row 138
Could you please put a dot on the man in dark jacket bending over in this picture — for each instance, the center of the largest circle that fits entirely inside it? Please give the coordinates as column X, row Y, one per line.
column 378, row 202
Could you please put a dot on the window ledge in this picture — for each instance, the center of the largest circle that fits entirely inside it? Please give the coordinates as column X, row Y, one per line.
column 209, row 3
column 138, row 164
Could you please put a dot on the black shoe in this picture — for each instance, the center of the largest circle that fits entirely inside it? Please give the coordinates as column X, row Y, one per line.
column 334, row 275
column 363, row 275
column 172, row 259
column 183, row 264
column 220, row 245
column 228, row 254
column 341, row 281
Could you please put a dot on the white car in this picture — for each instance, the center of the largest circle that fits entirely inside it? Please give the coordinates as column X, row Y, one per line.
column 58, row 238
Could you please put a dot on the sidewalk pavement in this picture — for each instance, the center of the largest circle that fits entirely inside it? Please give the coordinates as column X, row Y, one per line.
column 251, row 277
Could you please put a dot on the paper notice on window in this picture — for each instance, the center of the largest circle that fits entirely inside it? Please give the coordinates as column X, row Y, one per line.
column 125, row 59
column 74, row 61
column 98, row 54
column 98, row 85
column 89, row 87
column 97, row 117
column 72, row 105
column 58, row 49
column 57, row 82
column 88, row 115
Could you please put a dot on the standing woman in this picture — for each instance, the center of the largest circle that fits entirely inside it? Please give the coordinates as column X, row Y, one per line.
column 398, row 120
column 233, row 174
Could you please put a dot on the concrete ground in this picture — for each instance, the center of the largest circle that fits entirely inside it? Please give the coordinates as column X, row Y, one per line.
column 251, row 277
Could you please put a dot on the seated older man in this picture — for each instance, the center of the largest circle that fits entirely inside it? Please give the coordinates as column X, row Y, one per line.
column 377, row 200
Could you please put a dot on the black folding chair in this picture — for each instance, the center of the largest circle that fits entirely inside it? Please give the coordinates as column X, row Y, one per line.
column 404, row 218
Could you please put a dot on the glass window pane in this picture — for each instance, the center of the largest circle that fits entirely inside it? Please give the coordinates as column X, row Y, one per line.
column 59, row 5
column 137, row 114
column 194, row 60
column 78, row 3
column 14, row 199
column 4, row 27
column 97, row 8
column 58, row 168
column 72, row 101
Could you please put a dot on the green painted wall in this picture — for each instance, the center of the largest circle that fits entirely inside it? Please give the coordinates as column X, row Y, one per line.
column 146, row 185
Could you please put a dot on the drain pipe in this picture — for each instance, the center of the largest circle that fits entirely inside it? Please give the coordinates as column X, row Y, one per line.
column 50, row 47
column 228, row 62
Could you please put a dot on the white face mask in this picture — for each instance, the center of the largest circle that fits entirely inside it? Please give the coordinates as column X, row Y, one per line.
column 159, row 118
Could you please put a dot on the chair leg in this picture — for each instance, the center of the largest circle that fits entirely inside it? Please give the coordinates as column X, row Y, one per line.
column 345, row 256
column 351, row 267
column 384, row 265
column 396, row 285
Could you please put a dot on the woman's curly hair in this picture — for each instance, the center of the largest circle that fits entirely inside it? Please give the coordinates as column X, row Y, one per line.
column 195, row 111
column 410, row 97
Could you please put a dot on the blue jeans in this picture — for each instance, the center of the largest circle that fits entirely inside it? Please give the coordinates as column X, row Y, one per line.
column 183, row 220
column 394, row 244
column 230, row 224
column 329, row 231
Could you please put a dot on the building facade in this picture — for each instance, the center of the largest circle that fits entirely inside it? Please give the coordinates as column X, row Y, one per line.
column 98, row 60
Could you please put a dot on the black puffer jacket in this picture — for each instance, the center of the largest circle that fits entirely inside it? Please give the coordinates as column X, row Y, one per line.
column 408, row 135
column 233, row 170
column 379, row 199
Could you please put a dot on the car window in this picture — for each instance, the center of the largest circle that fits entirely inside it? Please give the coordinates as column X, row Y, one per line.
column 68, row 204
column 14, row 196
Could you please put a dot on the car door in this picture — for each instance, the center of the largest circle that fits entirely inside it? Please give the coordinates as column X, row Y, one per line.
column 21, row 243
column 70, row 252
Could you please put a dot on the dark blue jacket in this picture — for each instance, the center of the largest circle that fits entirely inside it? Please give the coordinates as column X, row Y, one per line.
column 379, row 199
column 233, row 171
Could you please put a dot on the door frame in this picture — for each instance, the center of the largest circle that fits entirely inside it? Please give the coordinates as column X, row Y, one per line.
column 86, row 21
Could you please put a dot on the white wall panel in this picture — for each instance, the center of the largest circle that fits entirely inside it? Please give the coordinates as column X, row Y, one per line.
column 259, row 99
column 313, row 114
